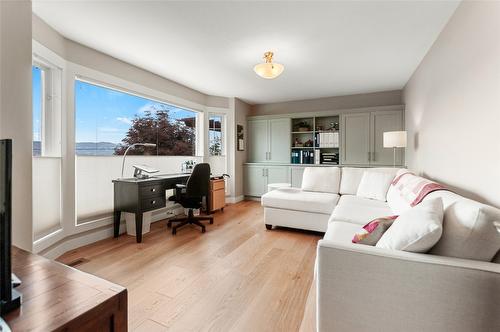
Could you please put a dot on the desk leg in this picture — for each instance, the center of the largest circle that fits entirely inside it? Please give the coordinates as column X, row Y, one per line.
column 116, row 223
column 138, row 227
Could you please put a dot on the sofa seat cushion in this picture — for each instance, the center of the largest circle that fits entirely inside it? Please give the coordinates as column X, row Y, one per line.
column 339, row 231
column 359, row 210
column 298, row 200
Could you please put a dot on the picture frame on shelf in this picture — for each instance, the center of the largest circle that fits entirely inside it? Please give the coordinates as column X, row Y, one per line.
column 240, row 137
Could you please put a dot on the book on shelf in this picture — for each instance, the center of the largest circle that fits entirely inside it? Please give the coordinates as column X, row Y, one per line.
column 303, row 156
column 327, row 140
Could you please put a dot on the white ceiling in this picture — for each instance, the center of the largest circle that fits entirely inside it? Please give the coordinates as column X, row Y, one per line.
column 328, row 48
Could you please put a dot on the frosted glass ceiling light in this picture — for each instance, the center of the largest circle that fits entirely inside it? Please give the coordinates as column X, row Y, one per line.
column 269, row 69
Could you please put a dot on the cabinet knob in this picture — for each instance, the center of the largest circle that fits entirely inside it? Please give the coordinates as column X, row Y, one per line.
column 153, row 190
column 153, row 202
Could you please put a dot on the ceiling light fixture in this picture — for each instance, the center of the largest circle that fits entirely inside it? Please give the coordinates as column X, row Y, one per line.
column 269, row 69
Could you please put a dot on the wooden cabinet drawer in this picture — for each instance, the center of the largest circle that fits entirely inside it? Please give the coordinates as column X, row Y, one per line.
column 153, row 190
column 217, row 199
column 153, row 203
column 217, row 184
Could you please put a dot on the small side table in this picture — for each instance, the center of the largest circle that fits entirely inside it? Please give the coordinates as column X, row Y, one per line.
column 274, row 186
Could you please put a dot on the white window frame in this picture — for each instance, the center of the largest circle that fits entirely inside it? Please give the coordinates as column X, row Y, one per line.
column 51, row 125
column 223, row 134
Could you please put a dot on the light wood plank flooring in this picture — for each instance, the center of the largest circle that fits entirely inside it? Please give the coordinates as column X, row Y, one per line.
column 236, row 277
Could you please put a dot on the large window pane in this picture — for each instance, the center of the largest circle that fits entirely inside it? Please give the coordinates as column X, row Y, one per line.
column 108, row 121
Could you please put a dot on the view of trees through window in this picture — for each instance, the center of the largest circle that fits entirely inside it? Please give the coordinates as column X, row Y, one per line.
column 108, row 121
column 215, row 135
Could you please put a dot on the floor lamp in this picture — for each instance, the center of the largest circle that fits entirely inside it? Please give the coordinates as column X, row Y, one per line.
column 394, row 139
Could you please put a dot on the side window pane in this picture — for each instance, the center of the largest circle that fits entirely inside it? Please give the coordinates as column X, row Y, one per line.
column 215, row 138
column 37, row 86
column 109, row 121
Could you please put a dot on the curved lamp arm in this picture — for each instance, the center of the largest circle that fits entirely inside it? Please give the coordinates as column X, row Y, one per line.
column 133, row 146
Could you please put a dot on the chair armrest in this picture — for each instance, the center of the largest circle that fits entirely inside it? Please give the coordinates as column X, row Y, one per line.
column 364, row 288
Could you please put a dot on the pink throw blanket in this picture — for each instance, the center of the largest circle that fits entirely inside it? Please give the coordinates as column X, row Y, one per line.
column 414, row 188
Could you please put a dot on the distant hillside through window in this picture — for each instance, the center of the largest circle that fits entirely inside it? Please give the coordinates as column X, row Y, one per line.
column 108, row 121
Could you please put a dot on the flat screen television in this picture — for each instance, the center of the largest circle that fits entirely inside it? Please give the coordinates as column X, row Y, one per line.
column 9, row 298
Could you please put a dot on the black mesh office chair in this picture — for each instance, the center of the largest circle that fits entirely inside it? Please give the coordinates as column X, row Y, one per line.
column 190, row 196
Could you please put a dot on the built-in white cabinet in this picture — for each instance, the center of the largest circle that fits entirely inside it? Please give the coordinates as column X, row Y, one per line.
column 257, row 177
column 269, row 140
column 356, row 139
column 362, row 137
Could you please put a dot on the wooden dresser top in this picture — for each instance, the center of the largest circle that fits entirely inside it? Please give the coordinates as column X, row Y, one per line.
column 56, row 296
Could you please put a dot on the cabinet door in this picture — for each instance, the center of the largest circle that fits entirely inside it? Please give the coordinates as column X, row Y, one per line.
column 258, row 143
column 382, row 121
column 255, row 181
column 277, row 174
column 280, row 140
column 356, row 139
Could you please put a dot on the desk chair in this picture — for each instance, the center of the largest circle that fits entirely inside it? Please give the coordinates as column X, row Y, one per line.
column 190, row 196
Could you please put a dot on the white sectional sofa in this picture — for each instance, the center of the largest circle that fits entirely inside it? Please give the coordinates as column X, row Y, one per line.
column 453, row 287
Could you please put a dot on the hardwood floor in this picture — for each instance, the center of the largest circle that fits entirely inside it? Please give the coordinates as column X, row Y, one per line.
column 236, row 277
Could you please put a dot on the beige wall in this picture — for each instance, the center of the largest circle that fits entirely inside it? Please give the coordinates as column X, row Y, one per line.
column 15, row 110
column 453, row 105
column 241, row 111
column 384, row 98
column 88, row 57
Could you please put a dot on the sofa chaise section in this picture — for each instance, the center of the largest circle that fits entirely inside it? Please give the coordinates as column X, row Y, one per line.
column 292, row 207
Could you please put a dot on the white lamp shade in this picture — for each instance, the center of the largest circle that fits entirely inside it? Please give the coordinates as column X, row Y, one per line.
column 395, row 139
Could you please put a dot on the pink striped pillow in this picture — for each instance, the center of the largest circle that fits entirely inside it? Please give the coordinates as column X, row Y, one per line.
column 373, row 231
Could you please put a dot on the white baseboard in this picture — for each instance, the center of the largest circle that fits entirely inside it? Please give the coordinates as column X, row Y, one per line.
column 234, row 199
column 252, row 198
column 78, row 240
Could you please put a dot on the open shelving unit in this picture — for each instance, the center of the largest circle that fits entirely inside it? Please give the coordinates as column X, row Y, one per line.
column 315, row 140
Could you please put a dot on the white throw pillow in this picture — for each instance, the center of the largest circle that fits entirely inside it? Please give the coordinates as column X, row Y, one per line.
column 416, row 230
column 321, row 179
column 374, row 185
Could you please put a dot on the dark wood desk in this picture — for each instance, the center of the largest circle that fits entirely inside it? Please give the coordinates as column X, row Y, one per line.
column 139, row 196
column 56, row 297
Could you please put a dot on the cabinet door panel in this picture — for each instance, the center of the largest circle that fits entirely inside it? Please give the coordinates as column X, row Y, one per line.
column 255, row 181
column 296, row 176
column 280, row 140
column 258, row 144
column 278, row 174
column 383, row 121
column 356, row 138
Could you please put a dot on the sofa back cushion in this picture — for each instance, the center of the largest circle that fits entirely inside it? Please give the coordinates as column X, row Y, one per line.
column 351, row 178
column 374, row 185
column 468, row 228
column 322, row 179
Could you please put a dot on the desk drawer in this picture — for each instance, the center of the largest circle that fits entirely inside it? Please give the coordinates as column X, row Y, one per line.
column 217, row 184
column 153, row 190
column 153, row 203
